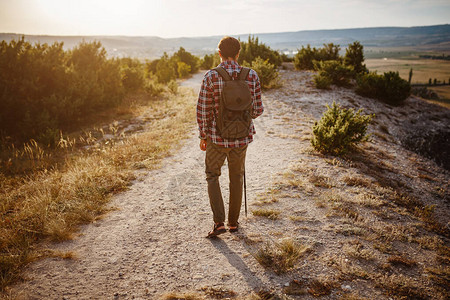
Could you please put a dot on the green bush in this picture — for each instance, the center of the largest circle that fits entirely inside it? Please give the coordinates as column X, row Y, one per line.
column 45, row 89
column 389, row 87
column 396, row 88
column 267, row 72
column 183, row 69
column 210, row 61
column 252, row 49
column 338, row 73
column 185, row 57
column 339, row 130
column 354, row 56
column 304, row 59
column 165, row 71
column 322, row 82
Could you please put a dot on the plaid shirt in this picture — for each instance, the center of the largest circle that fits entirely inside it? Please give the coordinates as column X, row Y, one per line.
column 209, row 97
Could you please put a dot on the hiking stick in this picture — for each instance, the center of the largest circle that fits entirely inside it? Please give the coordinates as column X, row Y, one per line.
column 245, row 193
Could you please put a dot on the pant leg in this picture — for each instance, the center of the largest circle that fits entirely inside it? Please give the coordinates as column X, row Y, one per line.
column 215, row 157
column 236, row 162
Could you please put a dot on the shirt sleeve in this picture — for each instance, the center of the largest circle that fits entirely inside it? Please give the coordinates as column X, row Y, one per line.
column 204, row 106
column 258, row 107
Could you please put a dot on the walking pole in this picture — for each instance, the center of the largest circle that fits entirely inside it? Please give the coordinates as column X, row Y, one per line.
column 245, row 193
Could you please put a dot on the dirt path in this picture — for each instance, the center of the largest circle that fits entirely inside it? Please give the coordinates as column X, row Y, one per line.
column 155, row 242
column 346, row 210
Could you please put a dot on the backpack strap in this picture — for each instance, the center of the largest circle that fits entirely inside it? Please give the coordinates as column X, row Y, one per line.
column 223, row 73
column 244, row 73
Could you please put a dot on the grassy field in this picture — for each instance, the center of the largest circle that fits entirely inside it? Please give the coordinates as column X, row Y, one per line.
column 423, row 69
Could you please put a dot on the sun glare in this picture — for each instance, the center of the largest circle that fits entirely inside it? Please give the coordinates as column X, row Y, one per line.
column 98, row 16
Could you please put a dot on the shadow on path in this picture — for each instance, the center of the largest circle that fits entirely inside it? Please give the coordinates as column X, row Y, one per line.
column 236, row 261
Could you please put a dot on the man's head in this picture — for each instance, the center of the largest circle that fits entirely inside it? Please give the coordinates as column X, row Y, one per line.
column 229, row 47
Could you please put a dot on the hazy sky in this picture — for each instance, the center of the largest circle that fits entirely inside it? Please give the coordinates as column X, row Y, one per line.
column 176, row 18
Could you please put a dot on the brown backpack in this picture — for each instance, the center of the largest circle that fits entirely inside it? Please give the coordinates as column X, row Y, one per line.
column 235, row 107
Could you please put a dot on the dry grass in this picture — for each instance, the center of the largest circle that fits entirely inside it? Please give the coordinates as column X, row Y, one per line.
column 281, row 257
column 320, row 181
column 268, row 213
column 357, row 181
column 322, row 287
column 183, row 296
column 52, row 203
column 401, row 260
column 356, row 249
column 401, row 286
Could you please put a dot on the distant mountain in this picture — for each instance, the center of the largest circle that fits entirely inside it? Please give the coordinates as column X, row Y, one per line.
column 424, row 37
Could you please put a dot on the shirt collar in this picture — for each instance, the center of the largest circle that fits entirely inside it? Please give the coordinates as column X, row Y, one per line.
column 229, row 64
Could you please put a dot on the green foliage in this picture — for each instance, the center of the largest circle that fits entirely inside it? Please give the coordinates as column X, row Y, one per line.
column 339, row 130
column 253, row 49
column 183, row 69
column 389, row 87
column 210, row 61
column 185, row 57
column 133, row 74
column 354, row 56
column 338, row 73
column 179, row 65
column 45, row 88
column 322, row 82
column 165, row 72
column 267, row 72
column 304, row 59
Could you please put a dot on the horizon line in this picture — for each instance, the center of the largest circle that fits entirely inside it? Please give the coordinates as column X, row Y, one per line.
column 219, row 35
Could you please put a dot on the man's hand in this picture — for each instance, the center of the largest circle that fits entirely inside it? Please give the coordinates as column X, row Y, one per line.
column 203, row 145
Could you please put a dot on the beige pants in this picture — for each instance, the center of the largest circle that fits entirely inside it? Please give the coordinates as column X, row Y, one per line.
column 215, row 157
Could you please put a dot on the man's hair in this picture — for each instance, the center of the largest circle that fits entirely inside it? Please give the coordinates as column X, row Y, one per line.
column 229, row 47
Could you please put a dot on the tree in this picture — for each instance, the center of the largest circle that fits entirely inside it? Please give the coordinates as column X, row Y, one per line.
column 354, row 56
column 410, row 75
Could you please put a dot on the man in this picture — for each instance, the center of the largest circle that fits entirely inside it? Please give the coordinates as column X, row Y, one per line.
column 218, row 148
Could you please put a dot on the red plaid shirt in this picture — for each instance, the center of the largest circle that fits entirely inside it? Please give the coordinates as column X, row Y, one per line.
column 209, row 97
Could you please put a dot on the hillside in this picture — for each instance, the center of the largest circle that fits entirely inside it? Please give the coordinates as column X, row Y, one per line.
column 371, row 225
column 424, row 38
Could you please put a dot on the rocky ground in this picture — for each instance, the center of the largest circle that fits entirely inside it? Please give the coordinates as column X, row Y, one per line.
column 345, row 211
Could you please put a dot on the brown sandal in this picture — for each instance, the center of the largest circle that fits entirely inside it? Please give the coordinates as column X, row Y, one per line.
column 219, row 228
column 233, row 228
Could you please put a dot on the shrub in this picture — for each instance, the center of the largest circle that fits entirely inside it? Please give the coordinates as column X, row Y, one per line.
column 339, row 130
column 45, row 88
column 132, row 78
column 388, row 87
column 322, row 82
column 267, row 72
column 183, row 69
column 164, row 70
column 354, row 56
column 424, row 93
column 252, row 49
column 304, row 59
column 396, row 88
column 338, row 73
column 184, row 56
column 210, row 61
